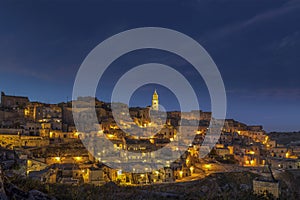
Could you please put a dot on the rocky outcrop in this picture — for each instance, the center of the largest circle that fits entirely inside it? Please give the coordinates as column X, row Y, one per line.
column 37, row 195
column 14, row 192
column 2, row 190
column 10, row 191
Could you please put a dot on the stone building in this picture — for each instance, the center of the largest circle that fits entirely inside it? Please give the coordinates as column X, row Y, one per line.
column 264, row 187
column 95, row 176
column 285, row 163
column 8, row 101
column 167, row 132
column 266, row 184
column 16, row 140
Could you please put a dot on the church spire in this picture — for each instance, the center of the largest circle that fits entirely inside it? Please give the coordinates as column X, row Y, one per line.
column 155, row 102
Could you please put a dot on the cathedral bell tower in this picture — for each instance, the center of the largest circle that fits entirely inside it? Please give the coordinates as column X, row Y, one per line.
column 155, row 105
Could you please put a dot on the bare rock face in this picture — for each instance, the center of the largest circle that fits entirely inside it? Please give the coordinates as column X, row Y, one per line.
column 111, row 185
column 2, row 190
column 15, row 193
column 37, row 195
column 9, row 191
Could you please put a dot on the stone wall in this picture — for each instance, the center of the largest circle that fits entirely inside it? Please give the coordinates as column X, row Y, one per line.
column 262, row 187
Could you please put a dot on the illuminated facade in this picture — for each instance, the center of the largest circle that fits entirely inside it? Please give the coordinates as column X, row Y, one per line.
column 155, row 105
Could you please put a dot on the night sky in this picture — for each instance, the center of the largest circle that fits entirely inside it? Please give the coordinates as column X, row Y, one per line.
column 255, row 44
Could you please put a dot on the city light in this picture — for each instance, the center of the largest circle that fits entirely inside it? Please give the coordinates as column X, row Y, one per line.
column 119, row 172
column 207, row 166
column 78, row 158
column 192, row 169
column 57, row 159
column 251, row 152
column 110, row 136
column 181, row 174
column 287, row 155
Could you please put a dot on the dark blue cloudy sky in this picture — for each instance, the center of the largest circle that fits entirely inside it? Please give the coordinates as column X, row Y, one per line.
column 255, row 44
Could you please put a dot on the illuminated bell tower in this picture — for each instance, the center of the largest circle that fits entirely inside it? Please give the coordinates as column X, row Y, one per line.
column 155, row 104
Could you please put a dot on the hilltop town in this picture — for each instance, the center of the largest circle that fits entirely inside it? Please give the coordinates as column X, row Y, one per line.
column 40, row 141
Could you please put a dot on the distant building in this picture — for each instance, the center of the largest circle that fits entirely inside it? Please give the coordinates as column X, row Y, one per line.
column 155, row 105
column 95, row 176
column 16, row 140
column 285, row 163
column 266, row 184
column 99, row 174
column 13, row 101
column 264, row 187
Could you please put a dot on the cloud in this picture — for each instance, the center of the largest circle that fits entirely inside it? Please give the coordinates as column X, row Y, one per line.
column 262, row 17
column 290, row 40
column 53, row 75
column 269, row 93
column 224, row 31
